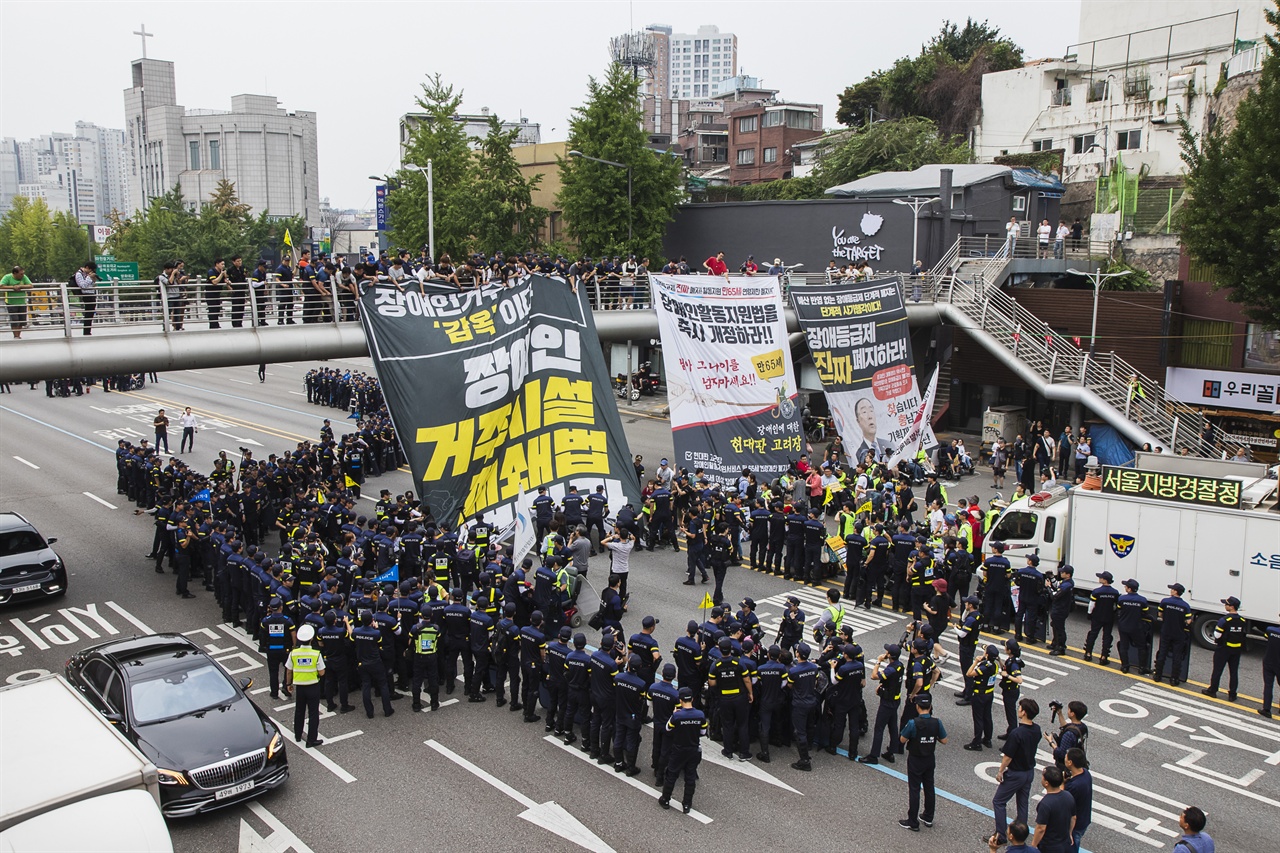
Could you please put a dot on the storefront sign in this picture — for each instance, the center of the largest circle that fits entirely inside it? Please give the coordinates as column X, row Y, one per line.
column 1254, row 392
column 1179, row 488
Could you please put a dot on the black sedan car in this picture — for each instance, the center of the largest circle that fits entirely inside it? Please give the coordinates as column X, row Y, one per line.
column 211, row 743
column 29, row 568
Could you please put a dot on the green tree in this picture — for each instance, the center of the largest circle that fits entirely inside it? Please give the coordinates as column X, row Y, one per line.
column 943, row 83
column 499, row 201
column 889, row 146
column 593, row 195
column 1229, row 217
column 69, row 246
column 28, row 230
column 442, row 140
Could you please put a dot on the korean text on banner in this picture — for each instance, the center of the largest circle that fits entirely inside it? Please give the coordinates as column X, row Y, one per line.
column 857, row 332
column 497, row 391
column 729, row 375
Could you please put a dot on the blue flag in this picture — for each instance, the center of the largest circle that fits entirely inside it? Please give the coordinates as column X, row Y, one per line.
column 354, row 416
column 391, row 575
column 200, row 497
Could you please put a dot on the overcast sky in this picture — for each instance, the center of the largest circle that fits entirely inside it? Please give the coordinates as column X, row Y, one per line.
column 359, row 65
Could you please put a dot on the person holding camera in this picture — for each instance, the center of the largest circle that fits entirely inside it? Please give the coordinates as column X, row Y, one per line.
column 984, row 674
column 1073, row 731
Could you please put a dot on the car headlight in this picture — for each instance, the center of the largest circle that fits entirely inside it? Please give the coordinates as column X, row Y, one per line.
column 277, row 744
column 171, row 777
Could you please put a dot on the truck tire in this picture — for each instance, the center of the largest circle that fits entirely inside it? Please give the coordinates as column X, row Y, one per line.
column 1202, row 630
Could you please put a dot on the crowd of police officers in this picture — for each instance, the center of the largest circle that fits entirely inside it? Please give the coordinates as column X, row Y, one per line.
column 396, row 598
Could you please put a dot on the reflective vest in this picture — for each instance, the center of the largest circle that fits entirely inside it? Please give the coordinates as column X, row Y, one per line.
column 305, row 663
column 837, row 615
column 427, row 640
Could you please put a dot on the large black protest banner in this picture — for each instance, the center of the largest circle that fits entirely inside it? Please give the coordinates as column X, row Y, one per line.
column 729, row 375
column 495, row 390
column 857, row 332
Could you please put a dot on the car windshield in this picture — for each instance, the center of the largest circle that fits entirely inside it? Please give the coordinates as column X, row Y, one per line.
column 176, row 693
column 20, row 542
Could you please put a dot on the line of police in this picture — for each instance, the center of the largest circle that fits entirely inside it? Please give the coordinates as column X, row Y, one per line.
column 509, row 630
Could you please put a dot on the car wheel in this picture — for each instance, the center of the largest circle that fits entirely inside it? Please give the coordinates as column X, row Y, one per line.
column 1202, row 630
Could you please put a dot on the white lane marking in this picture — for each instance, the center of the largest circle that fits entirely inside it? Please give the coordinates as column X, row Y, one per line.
column 137, row 623
column 299, row 393
column 28, row 464
column 343, row 736
column 280, row 839
column 746, row 768
column 445, row 704
column 323, row 760
column 241, row 381
column 550, row 815
column 200, row 372
column 236, row 438
column 629, row 780
column 91, row 496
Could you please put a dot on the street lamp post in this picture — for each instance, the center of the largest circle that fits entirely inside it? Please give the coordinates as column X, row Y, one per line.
column 429, row 174
column 1097, row 278
column 915, row 203
column 614, row 163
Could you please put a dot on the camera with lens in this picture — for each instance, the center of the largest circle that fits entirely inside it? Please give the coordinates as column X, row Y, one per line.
column 1055, row 706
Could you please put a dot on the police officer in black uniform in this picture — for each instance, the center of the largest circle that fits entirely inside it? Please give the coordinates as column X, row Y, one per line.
column 983, row 674
column 1102, row 613
column 1228, row 636
column 665, row 698
column 889, row 672
column 1132, row 623
column 848, row 675
column 921, row 738
column 1175, row 618
column 685, row 728
column 373, row 673
column 276, row 640
column 424, row 645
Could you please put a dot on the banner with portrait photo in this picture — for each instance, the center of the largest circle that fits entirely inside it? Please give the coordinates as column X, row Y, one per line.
column 729, row 375
column 858, row 335
column 495, row 392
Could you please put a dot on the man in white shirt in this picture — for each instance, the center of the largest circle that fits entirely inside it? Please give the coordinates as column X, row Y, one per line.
column 1043, row 233
column 1012, row 230
column 1060, row 240
column 665, row 474
column 189, row 427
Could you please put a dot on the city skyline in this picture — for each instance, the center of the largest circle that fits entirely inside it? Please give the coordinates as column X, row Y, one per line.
column 358, row 112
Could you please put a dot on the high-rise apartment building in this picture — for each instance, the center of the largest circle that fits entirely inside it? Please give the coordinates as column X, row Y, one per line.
column 82, row 173
column 698, row 62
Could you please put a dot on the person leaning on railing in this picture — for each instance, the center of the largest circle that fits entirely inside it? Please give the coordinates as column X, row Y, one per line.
column 15, row 286
column 86, row 281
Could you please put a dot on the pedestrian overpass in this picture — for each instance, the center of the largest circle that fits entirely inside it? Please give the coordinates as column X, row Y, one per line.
column 133, row 334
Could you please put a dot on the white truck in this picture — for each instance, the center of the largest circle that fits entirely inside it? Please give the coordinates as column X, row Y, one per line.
column 69, row 780
column 1212, row 526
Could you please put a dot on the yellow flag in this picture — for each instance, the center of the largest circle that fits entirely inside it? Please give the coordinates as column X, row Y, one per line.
column 350, row 482
column 707, row 602
column 319, row 496
column 288, row 240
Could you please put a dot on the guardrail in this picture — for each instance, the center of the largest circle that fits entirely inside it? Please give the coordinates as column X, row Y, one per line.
column 147, row 303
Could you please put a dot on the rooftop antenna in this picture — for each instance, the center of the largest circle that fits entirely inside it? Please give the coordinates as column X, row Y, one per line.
column 633, row 50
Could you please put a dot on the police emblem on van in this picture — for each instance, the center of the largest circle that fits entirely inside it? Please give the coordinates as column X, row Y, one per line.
column 1121, row 545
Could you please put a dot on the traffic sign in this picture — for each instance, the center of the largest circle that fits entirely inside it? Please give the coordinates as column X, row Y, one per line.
column 109, row 267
